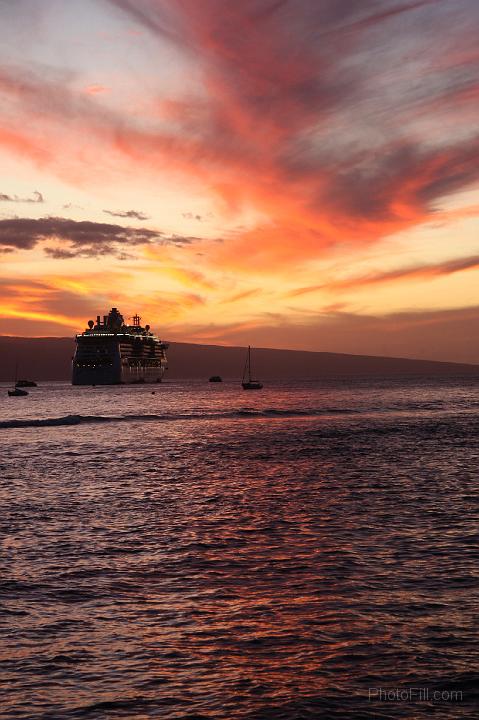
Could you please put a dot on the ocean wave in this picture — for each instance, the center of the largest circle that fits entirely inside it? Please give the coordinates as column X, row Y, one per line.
column 51, row 422
column 67, row 420
column 238, row 413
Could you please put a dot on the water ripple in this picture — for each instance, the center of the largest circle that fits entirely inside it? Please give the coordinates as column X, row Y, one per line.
column 185, row 556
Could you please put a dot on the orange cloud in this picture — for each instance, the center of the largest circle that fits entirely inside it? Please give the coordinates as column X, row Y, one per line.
column 420, row 271
column 241, row 295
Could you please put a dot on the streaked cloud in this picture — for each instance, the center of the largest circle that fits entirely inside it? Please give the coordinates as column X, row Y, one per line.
column 241, row 295
column 414, row 272
column 44, row 302
column 79, row 238
column 312, row 118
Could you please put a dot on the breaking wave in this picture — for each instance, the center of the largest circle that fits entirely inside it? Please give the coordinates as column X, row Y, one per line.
column 67, row 420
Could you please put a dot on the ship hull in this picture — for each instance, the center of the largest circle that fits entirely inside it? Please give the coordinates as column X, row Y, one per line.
column 120, row 376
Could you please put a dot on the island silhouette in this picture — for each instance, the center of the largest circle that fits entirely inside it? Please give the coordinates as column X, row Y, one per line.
column 50, row 359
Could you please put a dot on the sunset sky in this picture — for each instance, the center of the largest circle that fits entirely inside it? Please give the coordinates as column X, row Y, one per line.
column 285, row 173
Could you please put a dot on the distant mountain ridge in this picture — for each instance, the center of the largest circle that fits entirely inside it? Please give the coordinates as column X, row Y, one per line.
column 50, row 359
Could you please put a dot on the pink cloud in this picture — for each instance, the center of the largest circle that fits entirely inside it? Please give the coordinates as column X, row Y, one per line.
column 96, row 89
column 304, row 130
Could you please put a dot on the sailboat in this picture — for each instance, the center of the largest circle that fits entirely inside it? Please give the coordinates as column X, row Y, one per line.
column 17, row 391
column 248, row 383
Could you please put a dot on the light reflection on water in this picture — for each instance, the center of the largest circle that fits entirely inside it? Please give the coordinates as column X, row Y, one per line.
column 238, row 556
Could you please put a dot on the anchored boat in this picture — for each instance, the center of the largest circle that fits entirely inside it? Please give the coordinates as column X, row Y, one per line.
column 25, row 383
column 17, row 391
column 248, row 382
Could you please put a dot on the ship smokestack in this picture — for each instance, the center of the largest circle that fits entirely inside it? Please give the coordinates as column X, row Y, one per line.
column 98, row 321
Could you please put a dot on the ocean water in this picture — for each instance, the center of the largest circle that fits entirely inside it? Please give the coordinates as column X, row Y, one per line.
column 197, row 552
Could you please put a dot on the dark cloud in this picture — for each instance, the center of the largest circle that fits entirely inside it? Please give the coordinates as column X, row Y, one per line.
column 63, row 254
column 37, row 198
column 282, row 62
column 80, row 238
column 381, row 187
column 389, row 11
column 185, row 239
column 135, row 214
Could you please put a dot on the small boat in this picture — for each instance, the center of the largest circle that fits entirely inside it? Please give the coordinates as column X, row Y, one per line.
column 215, row 378
column 18, row 392
column 248, row 383
column 25, row 383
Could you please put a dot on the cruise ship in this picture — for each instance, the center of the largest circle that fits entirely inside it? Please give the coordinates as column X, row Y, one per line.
column 110, row 352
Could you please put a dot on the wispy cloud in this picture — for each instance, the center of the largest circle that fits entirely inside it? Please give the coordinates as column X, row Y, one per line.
column 242, row 295
column 192, row 216
column 133, row 214
column 37, row 197
column 72, row 206
column 423, row 271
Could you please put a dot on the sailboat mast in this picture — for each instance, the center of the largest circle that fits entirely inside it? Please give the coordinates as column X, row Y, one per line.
column 245, row 367
column 249, row 363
